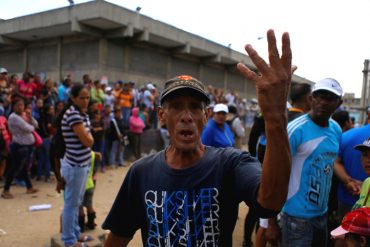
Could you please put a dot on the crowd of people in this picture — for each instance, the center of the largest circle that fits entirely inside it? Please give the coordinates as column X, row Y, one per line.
column 304, row 175
column 117, row 112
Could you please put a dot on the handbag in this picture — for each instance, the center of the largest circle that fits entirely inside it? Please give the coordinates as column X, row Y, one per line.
column 38, row 139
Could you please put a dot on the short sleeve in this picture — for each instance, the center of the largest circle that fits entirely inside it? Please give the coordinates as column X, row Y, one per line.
column 124, row 219
column 74, row 117
column 247, row 181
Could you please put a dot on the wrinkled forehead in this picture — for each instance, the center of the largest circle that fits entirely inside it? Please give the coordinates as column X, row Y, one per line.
column 184, row 95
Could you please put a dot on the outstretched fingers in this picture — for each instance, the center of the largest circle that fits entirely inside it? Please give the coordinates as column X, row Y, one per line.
column 247, row 73
column 274, row 56
column 261, row 65
column 286, row 57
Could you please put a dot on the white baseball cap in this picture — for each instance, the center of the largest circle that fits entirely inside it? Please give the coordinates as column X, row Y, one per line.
column 220, row 107
column 3, row 70
column 150, row 86
column 329, row 84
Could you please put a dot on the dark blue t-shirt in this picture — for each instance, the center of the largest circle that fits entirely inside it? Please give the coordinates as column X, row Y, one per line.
column 197, row 206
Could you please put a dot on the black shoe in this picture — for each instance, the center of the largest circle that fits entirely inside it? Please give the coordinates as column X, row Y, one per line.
column 81, row 222
column 248, row 244
column 91, row 221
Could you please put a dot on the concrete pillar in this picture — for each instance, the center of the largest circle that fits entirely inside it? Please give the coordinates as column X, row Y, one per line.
column 200, row 72
column 168, row 67
column 59, row 60
column 103, row 56
column 365, row 91
column 226, row 78
column 25, row 59
column 126, row 59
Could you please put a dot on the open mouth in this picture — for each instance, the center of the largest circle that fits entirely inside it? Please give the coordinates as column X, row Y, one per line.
column 187, row 134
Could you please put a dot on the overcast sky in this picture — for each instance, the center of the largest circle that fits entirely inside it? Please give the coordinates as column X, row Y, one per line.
column 329, row 38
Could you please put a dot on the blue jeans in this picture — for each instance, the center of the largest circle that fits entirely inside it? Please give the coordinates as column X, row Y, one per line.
column 126, row 112
column 74, row 190
column 43, row 158
column 114, row 151
column 303, row 232
column 18, row 166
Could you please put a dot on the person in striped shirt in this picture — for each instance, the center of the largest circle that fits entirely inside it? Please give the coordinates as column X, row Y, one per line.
column 75, row 165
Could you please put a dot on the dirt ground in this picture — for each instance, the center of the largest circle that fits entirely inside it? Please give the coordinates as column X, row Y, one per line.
column 19, row 227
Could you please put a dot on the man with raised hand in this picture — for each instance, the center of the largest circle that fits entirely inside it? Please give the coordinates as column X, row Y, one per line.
column 188, row 194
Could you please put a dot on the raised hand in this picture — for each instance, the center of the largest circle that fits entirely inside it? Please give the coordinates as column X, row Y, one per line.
column 272, row 84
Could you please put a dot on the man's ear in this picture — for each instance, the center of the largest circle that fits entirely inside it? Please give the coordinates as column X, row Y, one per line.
column 340, row 102
column 161, row 115
column 207, row 113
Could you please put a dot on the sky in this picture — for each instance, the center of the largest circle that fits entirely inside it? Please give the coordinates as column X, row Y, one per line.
column 329, row 38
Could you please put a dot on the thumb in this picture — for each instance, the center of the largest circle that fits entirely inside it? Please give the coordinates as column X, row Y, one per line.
column 293, row 69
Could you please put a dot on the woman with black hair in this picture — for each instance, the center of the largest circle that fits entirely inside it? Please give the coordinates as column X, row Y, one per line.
column 75, row 164
column 21, row 125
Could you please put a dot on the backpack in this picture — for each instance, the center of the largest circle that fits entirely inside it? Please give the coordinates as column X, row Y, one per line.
column 58, row 146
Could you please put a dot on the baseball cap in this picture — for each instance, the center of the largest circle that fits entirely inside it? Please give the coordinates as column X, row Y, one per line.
column 183, row 83
column 220, row 107
column 357, row 221
column 328, row 84
column 3, row 70
column 108, row 89
column 364, row 146
column 150, row 86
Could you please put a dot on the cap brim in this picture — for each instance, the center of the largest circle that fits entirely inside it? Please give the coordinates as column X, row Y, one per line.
column 338, row 232
column 327, row 89
column 183, row 88
column 362, row 147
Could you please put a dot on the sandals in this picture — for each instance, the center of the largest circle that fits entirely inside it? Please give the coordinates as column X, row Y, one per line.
column 32, row 191
column 79, row 244
column 85, row 238
column 7, row 195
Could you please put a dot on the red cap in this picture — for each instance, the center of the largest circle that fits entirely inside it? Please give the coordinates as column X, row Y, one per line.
column 356, row 221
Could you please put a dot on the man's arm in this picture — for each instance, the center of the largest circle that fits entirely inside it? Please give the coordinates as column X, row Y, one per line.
column 272, row 86
column 116, row 241
column 352, row 185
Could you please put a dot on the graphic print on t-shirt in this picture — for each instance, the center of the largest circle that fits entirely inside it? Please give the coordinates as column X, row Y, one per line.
column 182, row 218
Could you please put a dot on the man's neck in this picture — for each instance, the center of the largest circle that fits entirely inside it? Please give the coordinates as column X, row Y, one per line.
column 180, row 159
column 319, row 121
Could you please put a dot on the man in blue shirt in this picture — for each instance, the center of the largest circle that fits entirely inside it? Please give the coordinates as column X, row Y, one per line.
column 314, row 143
column 217, row 132
column 348, row 169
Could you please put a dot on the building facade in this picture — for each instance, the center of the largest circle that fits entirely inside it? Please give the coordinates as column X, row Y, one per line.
column 102, row 39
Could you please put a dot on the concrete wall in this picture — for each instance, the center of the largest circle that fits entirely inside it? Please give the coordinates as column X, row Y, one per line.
column 117, row 59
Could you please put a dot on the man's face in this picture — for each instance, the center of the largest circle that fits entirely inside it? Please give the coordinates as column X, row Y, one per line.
column 185, row 118
column 324, row 103
column 37, row 78
column 365, row 161
column 3, row 76
column 220, row 117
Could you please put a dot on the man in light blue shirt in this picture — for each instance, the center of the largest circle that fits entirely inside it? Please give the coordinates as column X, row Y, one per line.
column 314, row 143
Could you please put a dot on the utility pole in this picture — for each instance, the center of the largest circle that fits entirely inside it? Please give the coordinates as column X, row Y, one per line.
column 365, row 94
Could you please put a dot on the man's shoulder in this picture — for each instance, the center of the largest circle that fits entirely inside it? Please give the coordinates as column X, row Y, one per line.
column 147, row 161
column 298, row 123
column 226, row 155
column 355, row 132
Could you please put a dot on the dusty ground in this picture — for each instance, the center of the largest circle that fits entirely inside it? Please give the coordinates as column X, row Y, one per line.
column 19, row 227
